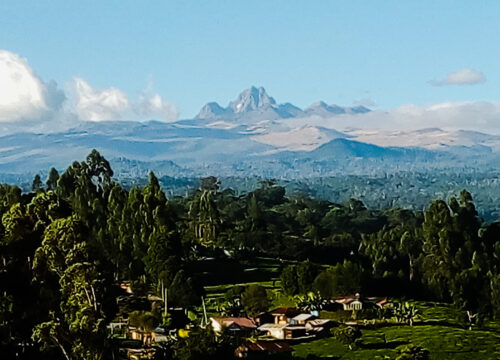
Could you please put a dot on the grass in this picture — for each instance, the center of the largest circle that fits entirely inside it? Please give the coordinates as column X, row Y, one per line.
column 443, row 342
column 439, row 328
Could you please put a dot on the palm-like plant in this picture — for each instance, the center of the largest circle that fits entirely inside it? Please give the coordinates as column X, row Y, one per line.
column 405, row 313
column 230, row 307
column 312, row 301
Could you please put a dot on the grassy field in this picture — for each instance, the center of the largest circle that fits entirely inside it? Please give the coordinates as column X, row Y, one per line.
column 443, row 342
column 439, row 330
column 439, row 327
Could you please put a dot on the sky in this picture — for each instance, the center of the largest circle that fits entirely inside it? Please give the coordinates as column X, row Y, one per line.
column 166, row 59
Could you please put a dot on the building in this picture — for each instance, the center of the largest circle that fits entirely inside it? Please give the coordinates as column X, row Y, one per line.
column 356, row 302
column 273, row 330
column 239, row 326
column 283, row 331
column 302, row 319
column 283, row 315
column 264, row 349
column 263, row 318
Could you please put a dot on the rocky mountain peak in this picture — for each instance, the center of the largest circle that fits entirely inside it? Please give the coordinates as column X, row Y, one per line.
column 252, row 99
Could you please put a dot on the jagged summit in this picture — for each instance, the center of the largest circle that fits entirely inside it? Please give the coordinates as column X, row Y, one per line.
column 256, row 104
column 212, row 109
column 252, row 99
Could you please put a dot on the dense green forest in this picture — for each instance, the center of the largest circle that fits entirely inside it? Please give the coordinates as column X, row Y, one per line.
column 66, row 246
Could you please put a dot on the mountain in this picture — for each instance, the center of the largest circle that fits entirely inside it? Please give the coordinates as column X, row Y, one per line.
column 254, row 104
column 322, row 109
column 252, row 99
column 253, row 135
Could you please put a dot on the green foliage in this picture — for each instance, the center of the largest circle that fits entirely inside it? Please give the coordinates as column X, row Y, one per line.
column 341, row 279
column 289, row 280
column 184, row 291
column 311, row 301
column 78, row 326
column 52, row 179
column 37, row 184
column 203, row 344
column 412, row 352
column 298, row 279
column 254, row 300
column 144, row 320
column 405, row 313
column 88, row 231
column 347, row 335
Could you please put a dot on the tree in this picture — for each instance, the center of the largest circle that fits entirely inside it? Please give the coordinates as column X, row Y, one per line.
column 254, row 300
column 205, row 220
column 204, row 344
column 306, row 273
column 184, row 291
column 341, row 279
column 495, row 293
column 289, row 280
column 52, row 179
column 312, row 301
column 77, row 327
column 347, row 335
column 37, row 184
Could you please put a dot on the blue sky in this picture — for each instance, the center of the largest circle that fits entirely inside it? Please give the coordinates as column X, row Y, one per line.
column 192, row 52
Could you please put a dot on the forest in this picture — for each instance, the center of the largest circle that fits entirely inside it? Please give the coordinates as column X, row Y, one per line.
column 68, row 244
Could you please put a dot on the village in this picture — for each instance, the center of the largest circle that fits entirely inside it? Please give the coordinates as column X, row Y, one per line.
column 268, row 334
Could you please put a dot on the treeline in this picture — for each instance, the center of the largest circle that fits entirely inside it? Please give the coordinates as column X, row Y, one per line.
column 65, row 247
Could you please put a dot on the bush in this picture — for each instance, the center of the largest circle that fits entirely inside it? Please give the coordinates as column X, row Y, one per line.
column 413, row 352
column 347, row 335
column 254, row 300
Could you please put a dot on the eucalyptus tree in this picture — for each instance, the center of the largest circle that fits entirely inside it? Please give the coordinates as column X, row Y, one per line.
column 77, row 325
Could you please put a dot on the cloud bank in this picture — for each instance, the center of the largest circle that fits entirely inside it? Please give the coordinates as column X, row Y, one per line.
column 23, row 95
column 461, row 77
column 28, row 101
column 471, row 115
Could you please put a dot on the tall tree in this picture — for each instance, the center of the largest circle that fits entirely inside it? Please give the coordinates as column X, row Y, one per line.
column 37, row 184
column 52, row 179
column 77, row 327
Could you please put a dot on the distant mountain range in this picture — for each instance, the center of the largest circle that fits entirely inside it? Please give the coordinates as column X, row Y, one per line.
column 255, row 104
column 253, row 135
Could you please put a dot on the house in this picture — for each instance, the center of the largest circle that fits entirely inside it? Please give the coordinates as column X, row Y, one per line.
column 136, row 334
column 302, row 319
column 283, row 331
column 140, row 354
column 273, row 330
column 283, row 315
column 350, row 304
column 264, row 350
column 319, row 327
column 236, row 325
column 383, row 303
column 127, row 286
column 356, row 302
column 324, row 323
column 263, row 318
column 293, row 332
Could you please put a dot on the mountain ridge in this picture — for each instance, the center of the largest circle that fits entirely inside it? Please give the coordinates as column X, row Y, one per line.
column 255, row 99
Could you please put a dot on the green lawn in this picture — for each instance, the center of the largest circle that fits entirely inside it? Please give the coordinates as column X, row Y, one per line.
column 443, row 342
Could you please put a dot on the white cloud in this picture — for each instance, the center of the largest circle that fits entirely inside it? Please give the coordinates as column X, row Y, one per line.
column 27, row 102
column 23, row 95
column 99, row 105
column 461, row 77
column 157, row 108
column 471, row 115
column 113, row 104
